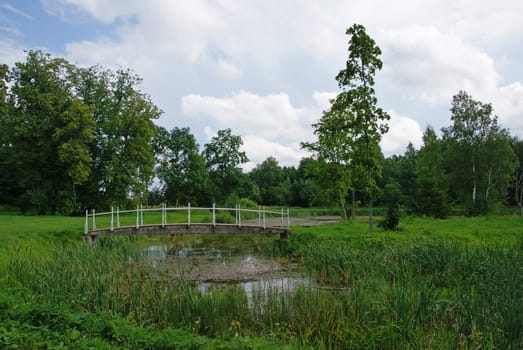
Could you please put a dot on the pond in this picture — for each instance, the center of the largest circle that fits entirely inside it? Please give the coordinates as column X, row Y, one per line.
column 212, row 261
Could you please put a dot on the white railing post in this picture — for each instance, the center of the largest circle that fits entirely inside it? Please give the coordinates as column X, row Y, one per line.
column 112, row 219
column 86, row 226
column 288, row 219
column 163, row 216
column 189, row 214
column 141, row 213
column 117, row 216
column 137, row 216
column 214, row 214
column 239, row 216
column 259, row 215
column 282, row 217
column 165, row 213
column 264, row 221
column 94, row 219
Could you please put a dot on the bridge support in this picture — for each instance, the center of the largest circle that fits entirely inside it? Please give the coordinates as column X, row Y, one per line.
column 90, row 239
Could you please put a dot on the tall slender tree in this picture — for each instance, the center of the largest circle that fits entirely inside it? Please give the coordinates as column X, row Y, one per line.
column 349, row 133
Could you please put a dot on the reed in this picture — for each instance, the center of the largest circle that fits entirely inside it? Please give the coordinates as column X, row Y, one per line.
column 381, row 292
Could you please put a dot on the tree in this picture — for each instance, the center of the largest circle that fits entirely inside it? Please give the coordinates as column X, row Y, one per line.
column 269, row 178
column 349, row 133
column 122, row 149
column 305, row 187
column 481, row 159
column 401, row 169
column 181, row 167
column 432, row 184
column 73, row 137
column 10, row 189
column 335, row 154
column 518, row 181
column 392, row 201
column 222, row 157
column 51, row 130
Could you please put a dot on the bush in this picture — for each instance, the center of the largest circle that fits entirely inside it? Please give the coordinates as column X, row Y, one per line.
column 392, row 198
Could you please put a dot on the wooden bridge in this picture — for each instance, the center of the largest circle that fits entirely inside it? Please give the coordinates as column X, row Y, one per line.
column 185, row 220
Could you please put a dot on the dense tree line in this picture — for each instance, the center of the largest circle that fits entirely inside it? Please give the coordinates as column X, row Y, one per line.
column 74, row 138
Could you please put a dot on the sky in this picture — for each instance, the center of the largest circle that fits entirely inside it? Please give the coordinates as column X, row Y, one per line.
column 266, row 68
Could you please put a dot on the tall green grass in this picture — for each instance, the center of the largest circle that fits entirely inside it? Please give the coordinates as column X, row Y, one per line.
column 438, row 284
column 470, row 295
column 429, row 294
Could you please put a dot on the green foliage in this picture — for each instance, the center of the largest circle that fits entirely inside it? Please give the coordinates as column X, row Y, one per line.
column 270, row 179
column 222, row 157
column 392, row 200
column 350, row 131
column 431, row 180
column 48, row 132
column 246, row 203
column 517, row 189
column 32, row 326
column 308, row 187
column 76, row 137
column 181, row 168
column 123, row 150
column 480, row 157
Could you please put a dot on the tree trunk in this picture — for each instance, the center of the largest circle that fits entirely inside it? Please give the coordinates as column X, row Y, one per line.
column 75, row 209
column 519, row 193
column 369, row 178
column 489, row 184
column 474, row 185
column 353, row 209
column 342, row 203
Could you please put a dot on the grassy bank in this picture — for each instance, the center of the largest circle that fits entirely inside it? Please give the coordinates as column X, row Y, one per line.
column 438, row 284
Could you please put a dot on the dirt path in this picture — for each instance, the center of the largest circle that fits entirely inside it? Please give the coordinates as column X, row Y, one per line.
column 299, row 221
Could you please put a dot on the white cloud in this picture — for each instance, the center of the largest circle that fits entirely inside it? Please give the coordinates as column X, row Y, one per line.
column 216, row 64
column 259, row 149
column 432, row 65
column 10, row 52
column 402, row 130
column 508, row 106
column 227, row 69
column 323, row 98
column 271, row 116
column 269, row 125
column 16, row 11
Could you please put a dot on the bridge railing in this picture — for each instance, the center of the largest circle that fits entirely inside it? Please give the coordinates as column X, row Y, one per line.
column 188, row 215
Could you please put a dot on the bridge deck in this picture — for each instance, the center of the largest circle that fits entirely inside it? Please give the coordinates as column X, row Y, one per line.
column 181, row 229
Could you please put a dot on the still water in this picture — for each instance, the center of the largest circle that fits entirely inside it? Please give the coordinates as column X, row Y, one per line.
column 212, row 261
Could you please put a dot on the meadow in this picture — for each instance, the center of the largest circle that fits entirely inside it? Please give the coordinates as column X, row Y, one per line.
column 434, row 284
